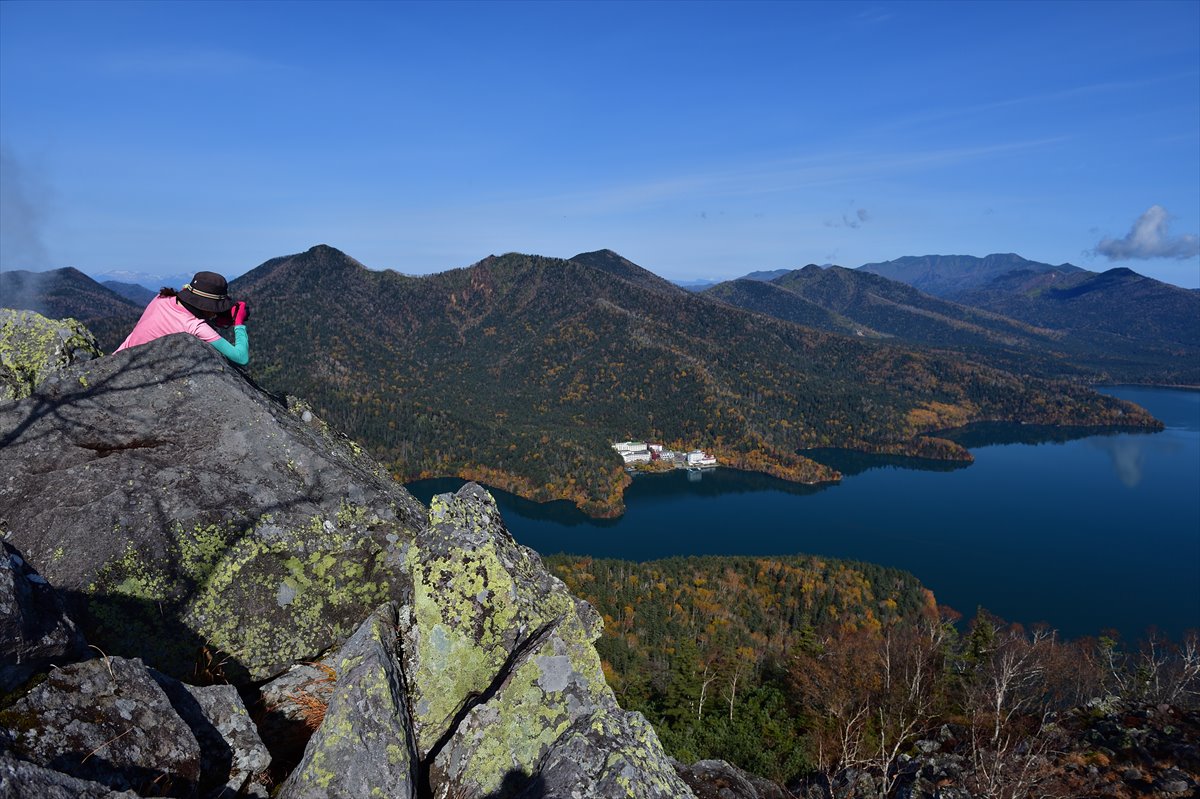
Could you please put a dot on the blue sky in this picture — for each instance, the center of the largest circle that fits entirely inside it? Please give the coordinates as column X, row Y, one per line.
column 700, row 140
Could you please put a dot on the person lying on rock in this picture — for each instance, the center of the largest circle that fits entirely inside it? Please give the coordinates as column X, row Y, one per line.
column 196, row 308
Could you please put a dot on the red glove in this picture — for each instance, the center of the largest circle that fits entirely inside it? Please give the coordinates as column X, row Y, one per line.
column 240, row 313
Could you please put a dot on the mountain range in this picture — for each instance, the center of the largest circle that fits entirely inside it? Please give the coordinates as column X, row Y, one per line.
column 948, row 276
column 67, row 292
column 520, row 370
column 1115, row 326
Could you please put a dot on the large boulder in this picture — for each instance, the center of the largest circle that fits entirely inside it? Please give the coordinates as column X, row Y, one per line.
column 509, row 697
column 478, row 599
column 186, row 510
column 107, row 721
column 495, row 659
column 716, row 779
column 34, row 628
column 33, row 347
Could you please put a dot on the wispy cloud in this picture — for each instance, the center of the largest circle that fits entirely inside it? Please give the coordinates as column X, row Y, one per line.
column 1008, row 103
column 874, row 15
column 1149, row 238
column 784, row 175
column 851, row 219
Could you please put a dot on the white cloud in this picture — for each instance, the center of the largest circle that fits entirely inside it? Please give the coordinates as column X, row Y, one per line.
column 1148, row 238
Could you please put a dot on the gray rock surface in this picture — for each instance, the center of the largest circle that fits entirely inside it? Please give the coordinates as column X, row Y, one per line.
column 182, row 491
column 478, row 597
column 33, row 347
column 108, row 721
column 364, row 743
column 291, row 707
column 232, row 755
column 34, row 628
column 606, row 756
column 20, row 779
column 716, row 779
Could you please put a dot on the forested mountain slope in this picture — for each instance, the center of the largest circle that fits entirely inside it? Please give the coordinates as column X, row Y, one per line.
column 137, row 294
column 767, row 298
column 520, row 371
column 619, row 266
column 1128, row 316
column 67, row 292
column 1118, row 326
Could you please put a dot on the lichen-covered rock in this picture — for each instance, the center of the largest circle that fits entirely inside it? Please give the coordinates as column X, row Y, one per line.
column 507, row 674
column 187, row 508
column 108, row 721
column 716, row 779
column 364, row 745
column 478, row 597
column 232, row 755
column 606, row 756
column 553, row 728
column 34, row 629
column 33, row 347
column 20, row 779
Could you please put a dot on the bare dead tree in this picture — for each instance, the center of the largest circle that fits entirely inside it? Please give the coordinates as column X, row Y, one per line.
column 1007, row 707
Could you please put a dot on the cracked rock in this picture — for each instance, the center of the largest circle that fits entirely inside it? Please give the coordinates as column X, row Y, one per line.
column 363, row 746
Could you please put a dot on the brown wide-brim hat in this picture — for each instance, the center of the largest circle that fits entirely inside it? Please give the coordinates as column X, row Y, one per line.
column 208, row 292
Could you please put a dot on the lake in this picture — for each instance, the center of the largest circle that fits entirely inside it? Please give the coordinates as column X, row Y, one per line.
column 1083, row 531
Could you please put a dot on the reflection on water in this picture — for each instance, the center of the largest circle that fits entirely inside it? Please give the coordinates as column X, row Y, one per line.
column 1098, row 531
column 673, row 485
column 1127, row 456
column 1129, row 453
column 991, row 434
column 850, row 462
column 711, row 483
column 560, row 512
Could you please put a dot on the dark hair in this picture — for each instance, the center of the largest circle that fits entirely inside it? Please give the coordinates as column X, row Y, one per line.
column 196, row 312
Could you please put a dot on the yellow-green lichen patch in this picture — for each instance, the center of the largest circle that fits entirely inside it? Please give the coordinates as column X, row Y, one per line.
column 518, row 726
column 131, row 577
column 32, row 347
column 264, row 595
column 459, row 647
column 476, row 597
column 292, row 604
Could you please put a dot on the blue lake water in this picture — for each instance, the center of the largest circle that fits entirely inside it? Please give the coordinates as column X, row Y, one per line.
column 1086, row 533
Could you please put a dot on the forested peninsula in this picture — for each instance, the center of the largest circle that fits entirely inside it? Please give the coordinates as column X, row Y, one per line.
column 521, row 370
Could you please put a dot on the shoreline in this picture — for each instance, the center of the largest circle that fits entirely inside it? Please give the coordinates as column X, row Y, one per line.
column 616, row 510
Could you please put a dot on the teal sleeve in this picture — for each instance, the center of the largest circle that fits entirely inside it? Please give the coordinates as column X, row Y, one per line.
column 239, row 350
